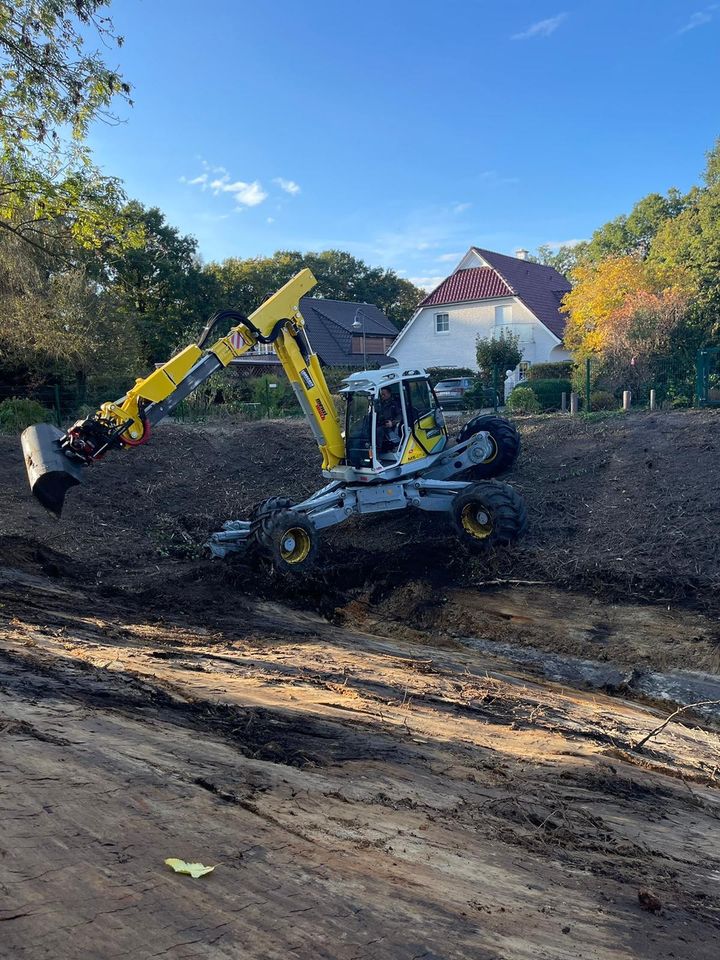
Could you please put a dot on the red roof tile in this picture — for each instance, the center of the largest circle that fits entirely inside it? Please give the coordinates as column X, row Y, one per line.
column 477, row 283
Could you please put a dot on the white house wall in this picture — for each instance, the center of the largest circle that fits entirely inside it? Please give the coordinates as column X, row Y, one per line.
column 421, row 346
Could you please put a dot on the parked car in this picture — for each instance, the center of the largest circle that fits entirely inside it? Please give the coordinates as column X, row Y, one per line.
column 452, row 393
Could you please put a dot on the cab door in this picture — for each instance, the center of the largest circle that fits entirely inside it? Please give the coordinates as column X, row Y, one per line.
column 424, row 419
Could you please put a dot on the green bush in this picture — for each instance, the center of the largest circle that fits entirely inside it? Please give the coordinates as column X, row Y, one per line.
column 479, row 397
column 549, row 392
column 561, row 370
column 277, row 400
column 437, row 374
column 603, row 400
column 523, row 400
column 18, row 413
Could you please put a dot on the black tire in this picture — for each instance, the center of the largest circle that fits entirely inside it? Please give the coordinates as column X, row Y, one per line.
column 488, row 513
column 292, row 540
column 506, row 441
column 271, row 505
column 262, row 514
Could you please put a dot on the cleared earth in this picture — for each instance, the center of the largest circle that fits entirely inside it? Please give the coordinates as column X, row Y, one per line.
column 378, row 761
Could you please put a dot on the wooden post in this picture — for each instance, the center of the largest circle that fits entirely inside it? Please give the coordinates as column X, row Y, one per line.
column 652, row 400
column 573, row 403
column 627, row 399
column 563, row 402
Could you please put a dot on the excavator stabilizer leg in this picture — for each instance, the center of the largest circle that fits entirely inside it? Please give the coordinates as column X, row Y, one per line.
column 50, row 471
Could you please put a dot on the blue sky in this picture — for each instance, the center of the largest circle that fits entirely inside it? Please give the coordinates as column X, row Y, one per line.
column 406, row 131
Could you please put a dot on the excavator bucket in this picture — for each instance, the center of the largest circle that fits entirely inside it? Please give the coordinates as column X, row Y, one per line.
column 50, row 472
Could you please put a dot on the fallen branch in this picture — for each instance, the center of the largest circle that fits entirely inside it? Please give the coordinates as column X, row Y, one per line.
column 690, row 706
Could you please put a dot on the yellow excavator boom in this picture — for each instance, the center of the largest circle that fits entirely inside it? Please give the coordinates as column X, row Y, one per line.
column 127, row 422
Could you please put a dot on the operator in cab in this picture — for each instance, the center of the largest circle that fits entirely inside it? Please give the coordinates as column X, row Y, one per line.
column 389, row 415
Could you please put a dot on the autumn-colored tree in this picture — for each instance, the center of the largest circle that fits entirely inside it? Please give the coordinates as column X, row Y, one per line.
column 599, row 291
column 625, row 313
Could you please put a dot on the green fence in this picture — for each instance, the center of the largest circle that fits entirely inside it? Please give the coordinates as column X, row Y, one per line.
column 707, row 377
column 665, row 382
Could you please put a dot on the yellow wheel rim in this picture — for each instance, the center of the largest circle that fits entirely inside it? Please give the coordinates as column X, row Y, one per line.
column 494, row 454
column 476, row 521
column 295, row 545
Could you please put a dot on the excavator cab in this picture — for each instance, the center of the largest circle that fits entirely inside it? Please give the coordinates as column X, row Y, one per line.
column 392, row 418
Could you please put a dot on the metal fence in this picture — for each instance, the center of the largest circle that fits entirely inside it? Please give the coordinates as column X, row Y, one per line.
column 657, row 382
column 707, row 377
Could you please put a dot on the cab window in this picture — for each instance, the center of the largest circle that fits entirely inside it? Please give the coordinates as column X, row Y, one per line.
column 418, row 399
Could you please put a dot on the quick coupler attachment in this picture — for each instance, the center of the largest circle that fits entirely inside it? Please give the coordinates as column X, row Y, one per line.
column 50, row 471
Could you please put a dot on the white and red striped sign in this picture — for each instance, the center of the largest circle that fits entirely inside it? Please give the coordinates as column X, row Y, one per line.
column 237, row 341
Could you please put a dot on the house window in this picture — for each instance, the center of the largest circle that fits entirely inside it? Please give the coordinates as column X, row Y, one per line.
column 442, row 323
column 371, row 344
column 503, row 315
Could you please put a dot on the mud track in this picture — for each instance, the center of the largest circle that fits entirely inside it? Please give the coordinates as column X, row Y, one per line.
column 360, row 796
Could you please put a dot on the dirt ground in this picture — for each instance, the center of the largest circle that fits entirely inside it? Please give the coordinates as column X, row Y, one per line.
column 370, row 772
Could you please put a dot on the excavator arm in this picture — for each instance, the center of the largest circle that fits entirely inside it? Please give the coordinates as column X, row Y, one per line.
column 55, row 460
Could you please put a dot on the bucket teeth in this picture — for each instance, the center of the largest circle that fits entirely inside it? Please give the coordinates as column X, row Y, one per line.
column 50, row 472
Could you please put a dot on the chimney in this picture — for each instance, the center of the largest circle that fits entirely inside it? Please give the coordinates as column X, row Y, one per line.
column 521, row 253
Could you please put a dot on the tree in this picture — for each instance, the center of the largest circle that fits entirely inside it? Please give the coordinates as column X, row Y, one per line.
column 159, row 287
column 341, row 276
column 625, row 313
column 563, row 258
column 689, row 244
column 51, row 89
column 632, row 235
column 54, row 325
column 599, row 291
column 495, row 355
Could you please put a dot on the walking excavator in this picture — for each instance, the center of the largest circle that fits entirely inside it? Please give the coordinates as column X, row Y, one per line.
column 391, row 451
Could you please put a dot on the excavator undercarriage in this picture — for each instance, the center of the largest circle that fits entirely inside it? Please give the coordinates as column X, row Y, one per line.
column 392, row 451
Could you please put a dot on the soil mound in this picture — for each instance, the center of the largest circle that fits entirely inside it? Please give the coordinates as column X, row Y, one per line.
column 622, row 507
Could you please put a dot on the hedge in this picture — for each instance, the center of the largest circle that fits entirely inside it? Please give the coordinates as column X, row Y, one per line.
column 561, row 370
column 549, row 392
column 18, row 413
column 437, row 374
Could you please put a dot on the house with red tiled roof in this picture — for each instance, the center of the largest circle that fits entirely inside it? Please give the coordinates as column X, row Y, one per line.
column 486, row 294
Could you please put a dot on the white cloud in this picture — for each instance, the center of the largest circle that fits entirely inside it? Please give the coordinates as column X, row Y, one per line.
column 461, row 207
column 245, row 194
column 448, row 257
column 699, row 19
column 196, row 181
column 543, row 28
column 289, row 186
column 270, row 220
column 427, row 283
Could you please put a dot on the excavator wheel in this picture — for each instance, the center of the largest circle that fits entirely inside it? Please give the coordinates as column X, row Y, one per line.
column 292, row 540
column 264, row 512
column 271, row 505
column 487, row 513
column 506, row 446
